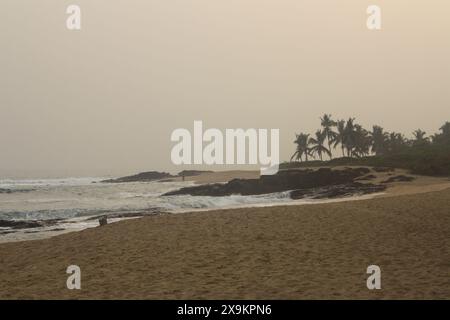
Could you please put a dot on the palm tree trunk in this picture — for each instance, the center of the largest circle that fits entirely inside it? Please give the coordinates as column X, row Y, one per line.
column 329, row 148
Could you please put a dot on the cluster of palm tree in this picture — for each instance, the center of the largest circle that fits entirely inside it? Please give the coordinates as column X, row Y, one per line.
column 356, row 142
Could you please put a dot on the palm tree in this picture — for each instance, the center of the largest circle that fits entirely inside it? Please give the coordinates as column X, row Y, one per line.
column 349, row 134
column 327, row 124
column 318, row 146
column 436, row 138
column 302, row 142
column 340, row 135
column 444, row 136
column 355, row 141
column 396, row 142
column 445, row 129
column 419, row 137
column 379, row 140
column 362, row 142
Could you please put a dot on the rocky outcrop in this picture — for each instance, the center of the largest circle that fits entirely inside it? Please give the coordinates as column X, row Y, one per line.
column 192, row 173
column 141, row 177
column 383, row 169
column 131, row 214
column 14, row 190
column 367, row 177
column 286, row 180
column 19, row 224
column 399, row 178
column 28, row 224
column 337, row 191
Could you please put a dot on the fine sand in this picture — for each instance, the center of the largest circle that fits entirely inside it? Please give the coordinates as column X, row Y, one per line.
column 288, row 252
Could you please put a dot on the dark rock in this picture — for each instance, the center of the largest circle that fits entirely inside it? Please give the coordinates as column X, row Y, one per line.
column 19, row 224
column 55, row 229
column 130, row 214
column 383, row 169
column 360, row 170
column 14, row 190
column 192, row 173
column 337, row 191
column 7, row 232
column 284, row 180
column 28, row 224
column 399, row 178
column 367, row 177
column 141, row 177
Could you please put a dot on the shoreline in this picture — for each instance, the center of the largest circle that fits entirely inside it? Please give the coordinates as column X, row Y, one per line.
column 417, row 185
column 284, row 252
column 91, row 222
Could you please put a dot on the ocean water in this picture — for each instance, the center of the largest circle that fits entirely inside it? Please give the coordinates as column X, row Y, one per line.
column 73, row 200
column 83, row 197
column 72, row 204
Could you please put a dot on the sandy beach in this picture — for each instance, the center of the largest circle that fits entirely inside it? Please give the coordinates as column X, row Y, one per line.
column 224, row 150
column 318, row 251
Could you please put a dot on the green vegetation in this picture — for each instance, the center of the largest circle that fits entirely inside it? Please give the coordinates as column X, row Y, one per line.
column 378, row 148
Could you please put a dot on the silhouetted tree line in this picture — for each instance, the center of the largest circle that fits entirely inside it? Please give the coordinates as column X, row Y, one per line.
column 356, row 142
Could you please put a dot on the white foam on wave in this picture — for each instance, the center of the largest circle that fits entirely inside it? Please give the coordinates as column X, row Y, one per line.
column 182, row 203
column 74, row 199
column 12, row 183
column 79, row 197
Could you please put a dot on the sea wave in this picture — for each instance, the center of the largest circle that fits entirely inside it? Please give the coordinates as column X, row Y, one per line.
column 13, row 183
column 138, row 202
column 183, row 202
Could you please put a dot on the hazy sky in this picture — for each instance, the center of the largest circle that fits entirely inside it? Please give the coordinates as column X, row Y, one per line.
column 104, row 100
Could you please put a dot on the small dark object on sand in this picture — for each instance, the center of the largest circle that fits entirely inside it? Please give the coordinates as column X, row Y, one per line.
column 103, row 221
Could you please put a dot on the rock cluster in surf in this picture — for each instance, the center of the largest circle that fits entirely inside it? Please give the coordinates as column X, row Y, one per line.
column 322, row 183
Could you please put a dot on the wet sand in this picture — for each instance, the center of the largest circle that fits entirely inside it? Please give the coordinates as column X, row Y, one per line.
column 287, row 252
